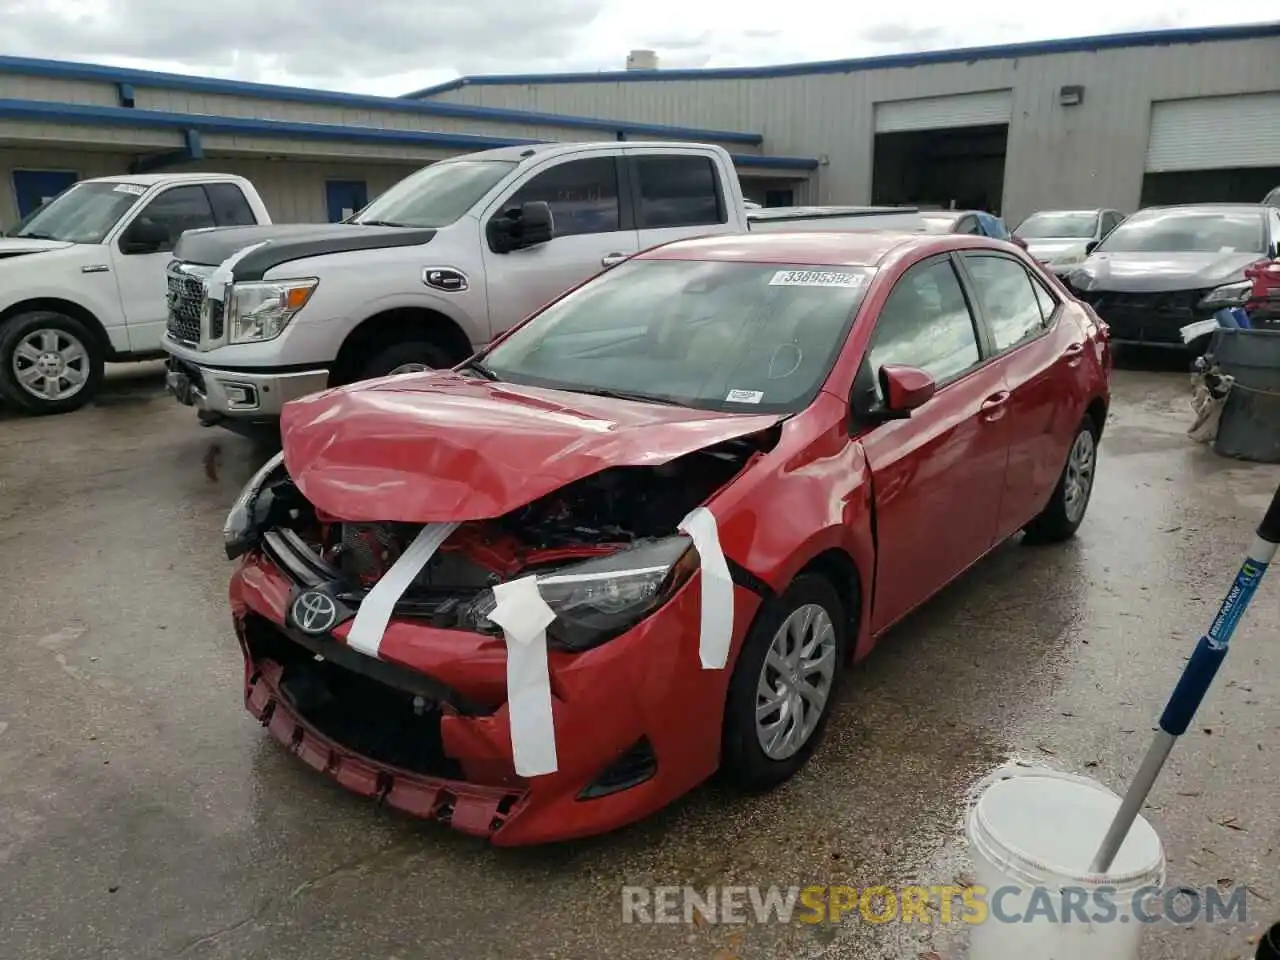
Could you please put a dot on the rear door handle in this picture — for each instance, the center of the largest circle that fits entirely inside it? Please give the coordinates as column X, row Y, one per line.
column 993, row 407
column 1073, row 354
column 612, row 259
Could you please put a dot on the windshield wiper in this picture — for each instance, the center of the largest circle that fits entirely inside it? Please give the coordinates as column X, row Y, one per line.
column 479, row 367
column 381, row 223
column 36, row 236
column 624, row 395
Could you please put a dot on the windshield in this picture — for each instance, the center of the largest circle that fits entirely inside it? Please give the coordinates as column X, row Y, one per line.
column 1058, row 226
column 740, row 337
column 1187, row 231
column 83, row 213
column 437, row 195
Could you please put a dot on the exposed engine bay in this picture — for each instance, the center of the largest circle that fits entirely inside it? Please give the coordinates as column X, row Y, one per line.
column 612, row 510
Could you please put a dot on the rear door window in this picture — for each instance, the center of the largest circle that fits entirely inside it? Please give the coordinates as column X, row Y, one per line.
column 677, row 191
column 230, row 208
column 1010, row 303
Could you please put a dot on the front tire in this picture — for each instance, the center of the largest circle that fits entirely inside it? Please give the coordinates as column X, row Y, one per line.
column 782, row 688
column 49, row 363
column 409, row 357
column 1062, row 516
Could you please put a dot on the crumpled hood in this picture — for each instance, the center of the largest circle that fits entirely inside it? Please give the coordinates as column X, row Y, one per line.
column 434, row 447
column 19, row 246
column 1158, row 272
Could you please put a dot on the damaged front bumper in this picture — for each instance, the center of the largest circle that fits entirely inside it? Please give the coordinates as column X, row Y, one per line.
column 425, row 727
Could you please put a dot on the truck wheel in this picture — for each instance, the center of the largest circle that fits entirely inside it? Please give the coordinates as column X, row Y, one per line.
column 1064, row 513
column 781, row 692
column 410, row 357
column 49, row 363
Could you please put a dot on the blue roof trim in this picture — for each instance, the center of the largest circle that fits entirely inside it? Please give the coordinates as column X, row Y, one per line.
column 1154, row 38
column 45, row 111
column 27, row 66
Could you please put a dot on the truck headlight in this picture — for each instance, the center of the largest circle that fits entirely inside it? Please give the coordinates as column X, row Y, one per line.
column 261, row 311
column 598, row 599
column 1228, row 295
column 240, row 529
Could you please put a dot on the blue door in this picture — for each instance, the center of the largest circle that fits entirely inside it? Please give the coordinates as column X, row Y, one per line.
column 345, row 198
column 31, row 188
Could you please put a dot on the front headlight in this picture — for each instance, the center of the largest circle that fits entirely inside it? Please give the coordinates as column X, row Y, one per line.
column 1228, row 295
column 1080, row 279
column 240, row 529
column 261, row 311
column 1066, row 260
column 599, row 599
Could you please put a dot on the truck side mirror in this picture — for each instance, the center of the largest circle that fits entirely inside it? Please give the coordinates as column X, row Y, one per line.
column 525, row 226
column 144, row 235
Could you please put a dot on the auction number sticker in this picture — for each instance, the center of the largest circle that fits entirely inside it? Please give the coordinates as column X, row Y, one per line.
column 745, row 396
column 132, row 188
column 815, row 278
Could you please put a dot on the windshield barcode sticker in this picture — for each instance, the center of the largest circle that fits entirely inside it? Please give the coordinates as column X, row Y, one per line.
column 133, row 188
column 815, row 278
column 744, row 396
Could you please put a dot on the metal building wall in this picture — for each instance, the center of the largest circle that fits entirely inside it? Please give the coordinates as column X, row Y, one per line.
column 1088, row 155
column 293, row 190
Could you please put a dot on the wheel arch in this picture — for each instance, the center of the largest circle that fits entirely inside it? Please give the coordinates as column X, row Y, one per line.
column 396, row 325
column 67, row 307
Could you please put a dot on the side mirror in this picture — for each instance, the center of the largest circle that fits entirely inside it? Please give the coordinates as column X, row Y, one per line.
column 1091, row 246
column 525, row 226
column 144, row 236
column 905, row 389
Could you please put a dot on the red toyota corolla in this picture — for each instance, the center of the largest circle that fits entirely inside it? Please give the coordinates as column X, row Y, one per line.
column 688, row 492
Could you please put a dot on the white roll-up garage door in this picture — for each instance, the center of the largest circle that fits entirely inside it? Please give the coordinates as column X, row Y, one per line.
column 1215, row 133
column 937, row 113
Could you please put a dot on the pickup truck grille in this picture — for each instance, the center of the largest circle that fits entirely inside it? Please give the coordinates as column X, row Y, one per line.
column 185, row 300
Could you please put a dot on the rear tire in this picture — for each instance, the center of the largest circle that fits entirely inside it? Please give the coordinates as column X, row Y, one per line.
column 809, row 615
column 408, row 357
column 1065, row 511
column 50, row 363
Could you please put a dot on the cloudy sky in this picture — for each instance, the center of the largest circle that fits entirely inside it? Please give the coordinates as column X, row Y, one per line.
column 393, row 46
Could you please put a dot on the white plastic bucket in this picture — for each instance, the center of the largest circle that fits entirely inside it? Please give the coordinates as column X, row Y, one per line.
column 1032, row 833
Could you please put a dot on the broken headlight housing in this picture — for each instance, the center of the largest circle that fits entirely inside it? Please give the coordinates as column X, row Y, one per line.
column 240, row 530
column 596, row 600
column 1229, row 295
column 260, row 311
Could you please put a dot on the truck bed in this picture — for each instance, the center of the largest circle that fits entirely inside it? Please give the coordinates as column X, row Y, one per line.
column 812, row 219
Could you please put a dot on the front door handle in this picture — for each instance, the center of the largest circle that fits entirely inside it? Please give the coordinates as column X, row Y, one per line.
column 993, row 407
column 1073, row 354
column 612, row 259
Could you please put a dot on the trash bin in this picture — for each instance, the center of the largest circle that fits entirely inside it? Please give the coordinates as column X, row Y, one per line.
column 1250, row 424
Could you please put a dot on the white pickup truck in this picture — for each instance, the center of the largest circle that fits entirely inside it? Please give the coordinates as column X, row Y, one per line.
column 82, row 278
column 439, row 265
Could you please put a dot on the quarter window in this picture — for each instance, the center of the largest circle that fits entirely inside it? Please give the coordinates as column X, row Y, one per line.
column 678, row 191
column 1008, row 300
column 926, row 323
column 582, row 194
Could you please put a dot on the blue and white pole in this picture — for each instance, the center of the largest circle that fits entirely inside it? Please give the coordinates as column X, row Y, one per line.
column 1194, row 683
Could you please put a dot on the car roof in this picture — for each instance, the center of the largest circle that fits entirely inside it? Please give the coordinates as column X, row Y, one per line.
column 863, row 248
column 1208, row 208
column 1067, row 213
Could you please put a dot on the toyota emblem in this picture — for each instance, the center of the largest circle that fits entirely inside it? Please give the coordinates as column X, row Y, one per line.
column 314, row 612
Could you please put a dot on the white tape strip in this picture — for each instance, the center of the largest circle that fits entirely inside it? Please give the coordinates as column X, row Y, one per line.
column 375, row 610
column 216, row 285
column 717, row 589
column 524, row 617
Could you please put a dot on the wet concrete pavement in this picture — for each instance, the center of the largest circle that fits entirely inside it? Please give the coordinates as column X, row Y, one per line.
column 143, row 814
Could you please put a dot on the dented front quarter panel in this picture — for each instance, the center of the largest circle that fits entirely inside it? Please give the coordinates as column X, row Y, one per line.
column 808, row 495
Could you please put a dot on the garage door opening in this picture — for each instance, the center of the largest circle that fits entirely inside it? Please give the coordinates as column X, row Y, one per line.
column 961, row 169
column 1248, row 185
